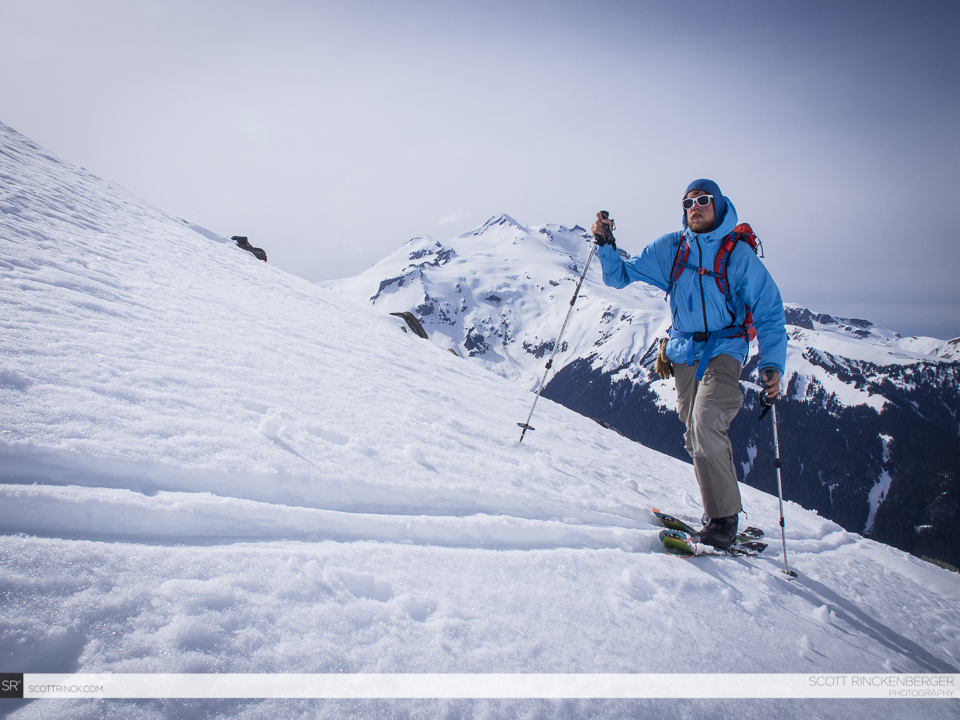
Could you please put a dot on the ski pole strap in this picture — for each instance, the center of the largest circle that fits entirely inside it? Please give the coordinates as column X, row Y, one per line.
column 765, row 405
column 710, row 338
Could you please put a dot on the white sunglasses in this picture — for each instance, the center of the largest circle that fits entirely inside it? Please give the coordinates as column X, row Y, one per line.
column 701, row 200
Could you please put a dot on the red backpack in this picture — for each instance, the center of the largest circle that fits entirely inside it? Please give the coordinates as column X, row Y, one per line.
column 741, row 233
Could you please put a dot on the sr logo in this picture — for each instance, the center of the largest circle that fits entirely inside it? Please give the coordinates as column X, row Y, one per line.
column 11, row 685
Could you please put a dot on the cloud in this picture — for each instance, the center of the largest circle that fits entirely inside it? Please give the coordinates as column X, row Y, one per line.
column 454, row 217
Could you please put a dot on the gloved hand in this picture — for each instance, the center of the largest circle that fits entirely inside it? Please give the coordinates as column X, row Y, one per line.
column 602, row 230
column 662, row 364
column 771, row 382
column 770, row 390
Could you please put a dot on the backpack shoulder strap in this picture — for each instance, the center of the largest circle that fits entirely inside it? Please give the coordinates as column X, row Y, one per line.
column 722, row 262
column 741, row 233
column 679, row 262
column 744, row 233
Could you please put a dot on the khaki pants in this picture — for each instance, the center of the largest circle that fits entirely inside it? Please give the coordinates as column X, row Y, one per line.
column 707, row 408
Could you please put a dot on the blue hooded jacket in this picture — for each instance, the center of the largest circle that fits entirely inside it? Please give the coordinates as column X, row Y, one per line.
column 696, row 303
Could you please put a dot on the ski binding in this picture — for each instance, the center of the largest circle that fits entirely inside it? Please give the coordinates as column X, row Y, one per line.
column 680, row 539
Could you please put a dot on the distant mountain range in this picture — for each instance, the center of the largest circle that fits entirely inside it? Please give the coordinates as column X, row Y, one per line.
column 869, row 426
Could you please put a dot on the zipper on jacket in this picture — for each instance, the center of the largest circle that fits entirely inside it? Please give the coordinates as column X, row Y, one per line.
column 703, row 300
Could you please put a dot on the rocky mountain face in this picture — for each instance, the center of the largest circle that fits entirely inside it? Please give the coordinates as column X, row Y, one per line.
column 869, row 424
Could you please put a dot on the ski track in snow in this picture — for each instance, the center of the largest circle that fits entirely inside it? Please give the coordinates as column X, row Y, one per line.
column 207, row 465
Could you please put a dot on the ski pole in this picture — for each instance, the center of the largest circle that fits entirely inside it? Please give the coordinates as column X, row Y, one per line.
column 526, row 425
column 769, row 405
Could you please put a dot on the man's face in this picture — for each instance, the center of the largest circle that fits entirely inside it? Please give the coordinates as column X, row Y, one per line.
column 700, row 218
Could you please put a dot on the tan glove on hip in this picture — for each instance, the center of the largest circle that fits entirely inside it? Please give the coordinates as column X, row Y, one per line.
column 662, row 365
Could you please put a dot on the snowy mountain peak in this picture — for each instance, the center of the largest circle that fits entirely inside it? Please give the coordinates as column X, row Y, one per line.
column 500, row 221
column 950, row 350
column 499, row 295
column 801, row 317
column 824, row 330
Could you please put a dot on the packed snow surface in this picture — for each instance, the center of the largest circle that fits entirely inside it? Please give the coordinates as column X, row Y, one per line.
column 208, row 465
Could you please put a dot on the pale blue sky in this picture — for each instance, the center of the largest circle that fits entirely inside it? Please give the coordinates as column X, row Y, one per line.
column 332, row 132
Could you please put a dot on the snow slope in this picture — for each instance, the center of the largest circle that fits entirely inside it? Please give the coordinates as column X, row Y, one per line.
column 207, row 465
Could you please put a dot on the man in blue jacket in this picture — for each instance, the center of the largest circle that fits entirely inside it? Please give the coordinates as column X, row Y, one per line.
column 708, row 342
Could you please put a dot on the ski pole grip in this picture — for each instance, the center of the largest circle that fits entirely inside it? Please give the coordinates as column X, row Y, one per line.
column 607, row 238
column 606, row 216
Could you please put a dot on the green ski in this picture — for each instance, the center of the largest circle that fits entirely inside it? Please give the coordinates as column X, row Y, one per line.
column 682, row 540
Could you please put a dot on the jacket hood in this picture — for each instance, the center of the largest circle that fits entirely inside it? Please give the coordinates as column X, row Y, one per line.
column 711, row 188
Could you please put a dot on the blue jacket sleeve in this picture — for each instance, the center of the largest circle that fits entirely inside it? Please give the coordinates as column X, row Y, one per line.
column 758, row 290
column 652, row 266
